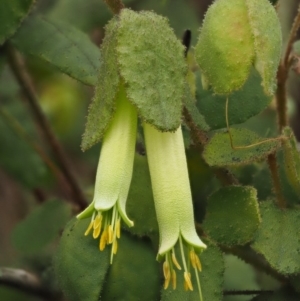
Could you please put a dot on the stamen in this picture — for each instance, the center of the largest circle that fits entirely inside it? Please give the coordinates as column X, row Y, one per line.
column 186, row 288
column 174, row 279
column 175, row 260
column 88, row 230
column 96, row 232
column 198, row 263
column 118, row 228
column 103, row 240
column 166, row 269
column 115, row 247
column 198, row 283
column 187, row 280
column 97, row 220
column 193, row 258
column 110, row 234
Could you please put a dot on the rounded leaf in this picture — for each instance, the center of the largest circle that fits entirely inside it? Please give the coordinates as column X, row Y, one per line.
column 277, row 238
column 79, row 265
column 134, row 274
column 232, row 215
column 103, row 105
column 218, row 151
column 266, row 30
column 225, row 49
column 152, row 64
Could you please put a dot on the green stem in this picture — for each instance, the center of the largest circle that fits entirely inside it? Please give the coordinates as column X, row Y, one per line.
column 115, row 5
column 276, row 180
column 23, row 78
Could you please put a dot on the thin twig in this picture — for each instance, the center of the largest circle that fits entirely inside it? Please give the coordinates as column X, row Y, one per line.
column 246, row 292
column 19, row 130
column 18, row 67
column 276, row 180
column 26, row 282
column 115, row 5
column 200, row 138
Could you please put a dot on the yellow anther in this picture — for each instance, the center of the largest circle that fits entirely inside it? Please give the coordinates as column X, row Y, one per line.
column 118, row 228
column 88, row 230
column 175, row 261
column 167, row 282
column 174, row 279
column 96, row 232
column 115, row 247
column 166, row 270
column 97, row 221
column 198, row 263
column 186, row 288
column 110, row 234
column 193, row 259
column 103, row 240
column 187, row 280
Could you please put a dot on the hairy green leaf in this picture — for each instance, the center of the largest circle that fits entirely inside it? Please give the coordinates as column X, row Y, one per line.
column 12, row 12
column 211, row 279
column 134, row 274
column 266, row 31
column 218, row 151
column 197, row 117
column 140, row 203
column 153, row 67
column 278, row 238
column 103, row 105
column 61, row 45
column 232, row 215
column 41, row 226
column 32, row 171
column 243, row 104
column 79, row 265
column 225, row 49
column 291, row 159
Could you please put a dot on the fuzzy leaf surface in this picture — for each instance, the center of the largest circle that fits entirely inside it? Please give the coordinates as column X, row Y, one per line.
column 79, row 266
column 134, row 274
column 266, row 30
column 235, row 208
column 103, row 104
column 61, row 45
column 211, row 279
column 152, row 64
column 12, row 12
column 15, row 148
column 243, row 104
column 225, row 49
column 218, row 151
column 49, row 218
column 282, row 250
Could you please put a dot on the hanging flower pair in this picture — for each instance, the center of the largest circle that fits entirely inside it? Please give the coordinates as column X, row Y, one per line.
column 142, row 73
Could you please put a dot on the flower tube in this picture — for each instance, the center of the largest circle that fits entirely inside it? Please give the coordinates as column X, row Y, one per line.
column 173, row 204
column 113, row 177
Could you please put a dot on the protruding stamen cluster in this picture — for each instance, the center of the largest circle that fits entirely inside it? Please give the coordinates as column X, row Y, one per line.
column 171, row 261
column 111, row 222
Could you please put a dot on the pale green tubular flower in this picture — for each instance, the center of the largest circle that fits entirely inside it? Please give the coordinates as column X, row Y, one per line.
column 173, row 204
column 114, row 175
